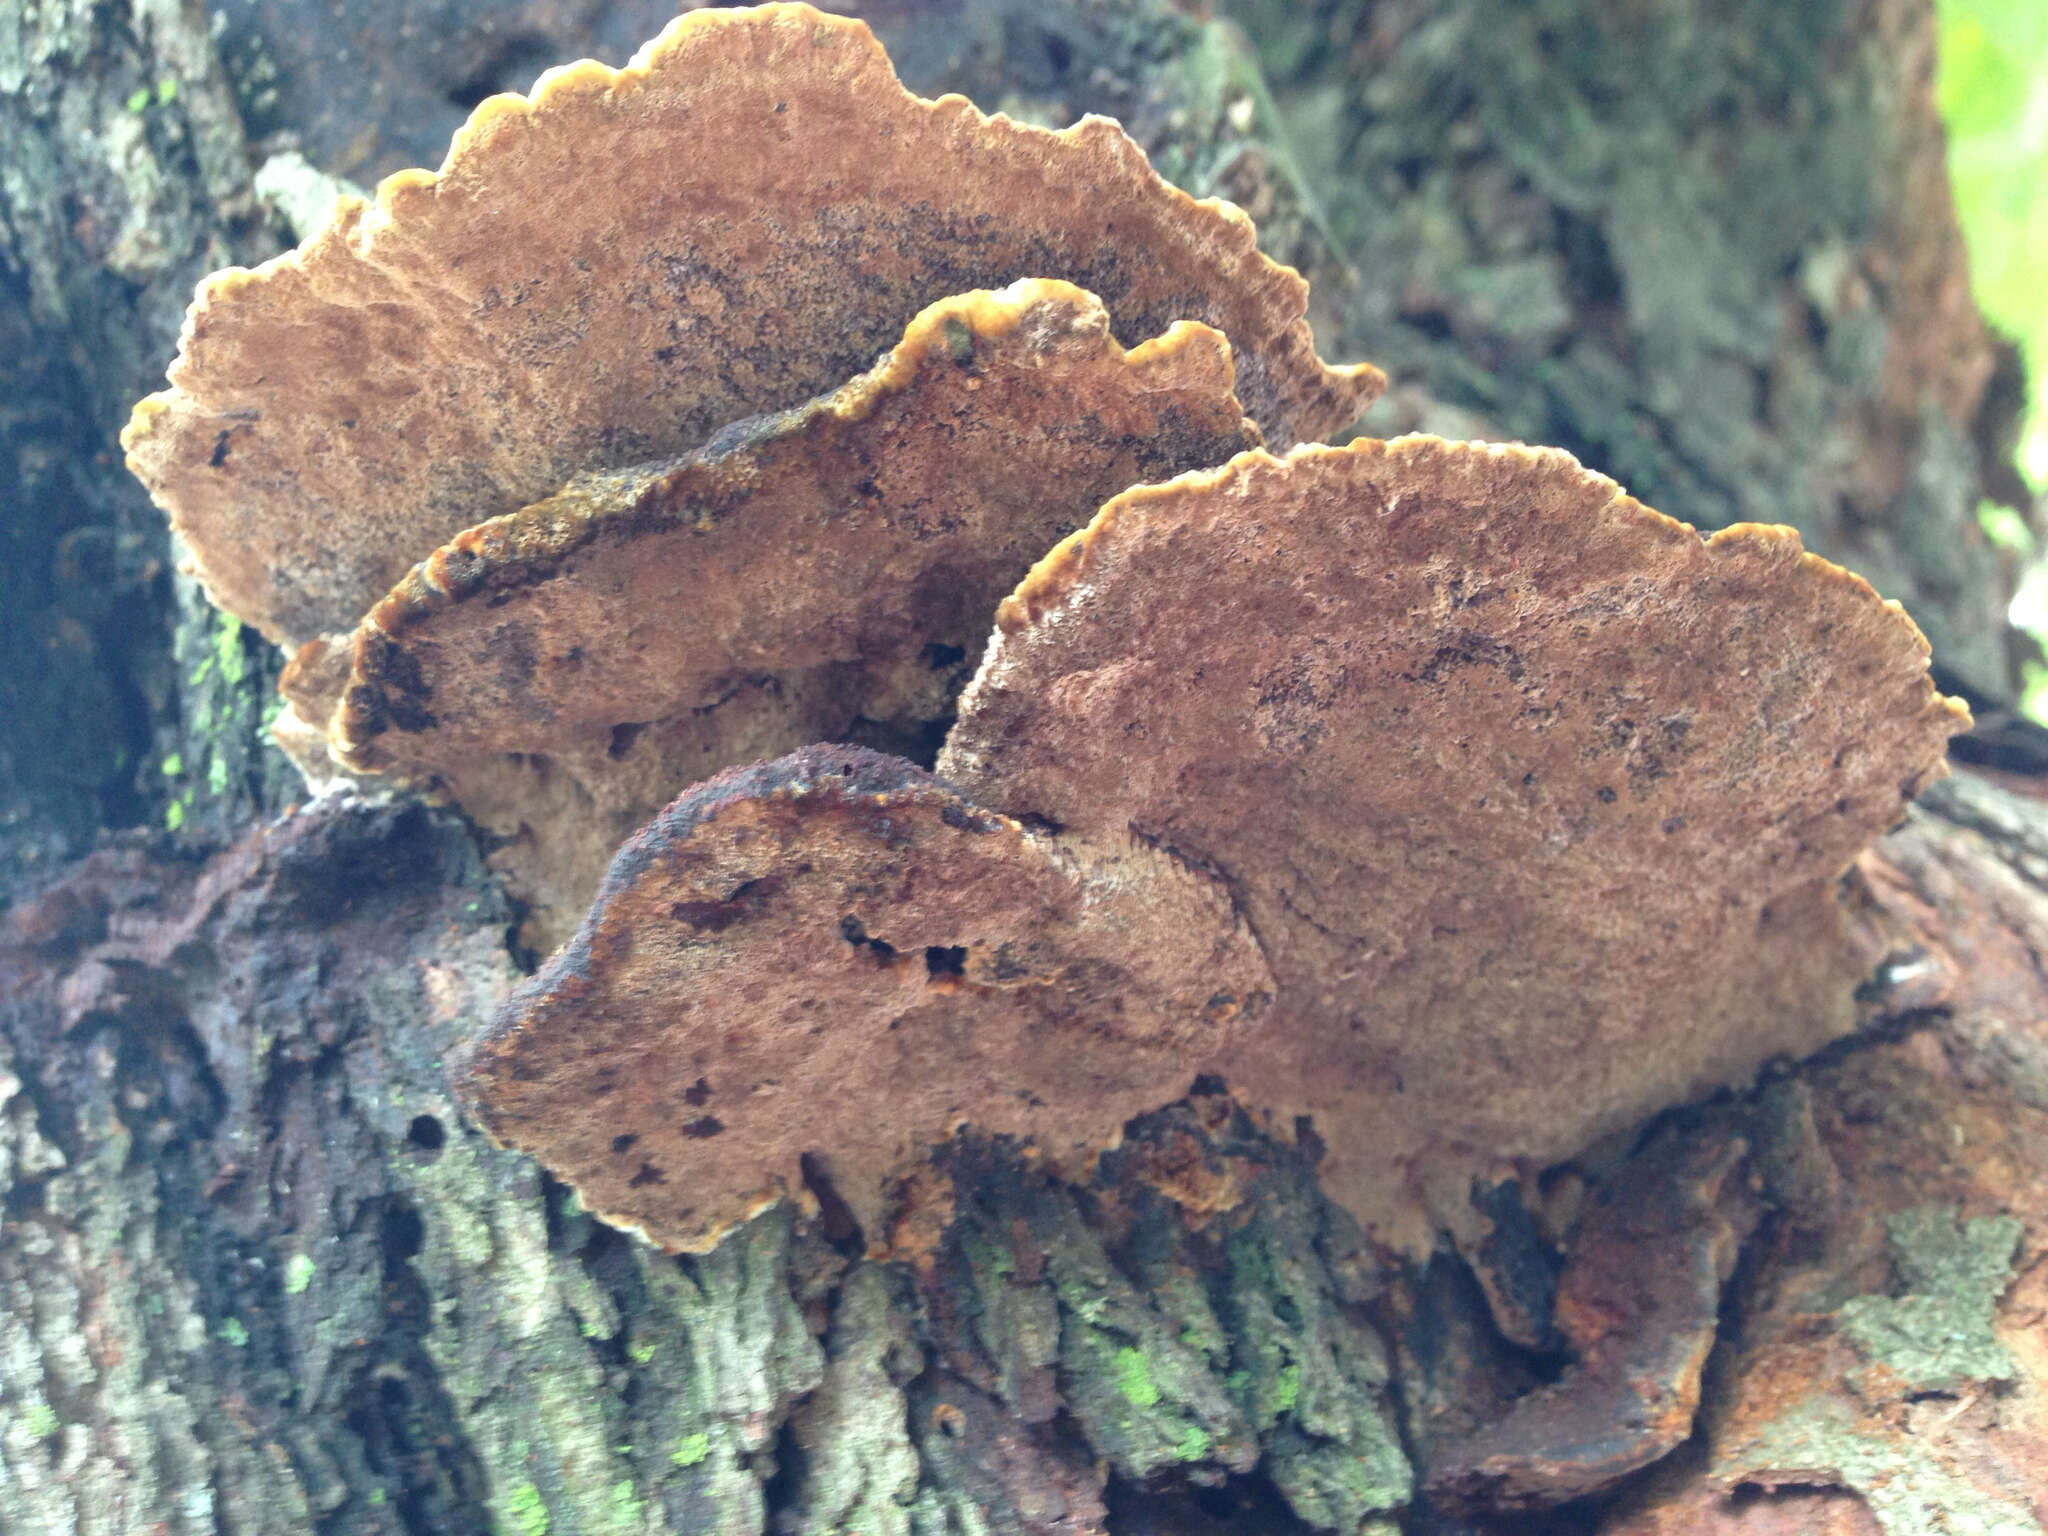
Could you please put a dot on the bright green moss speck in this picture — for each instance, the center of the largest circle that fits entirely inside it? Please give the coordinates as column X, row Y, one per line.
column 1134, row 1378
column 625, row 1505
column 233, row 656
column 298, row 1273
column 690, row 1450
column 528, row 1511
column 40, row 1420
column 231, row 1329
column 1194, row 1445
column 1286, row 1388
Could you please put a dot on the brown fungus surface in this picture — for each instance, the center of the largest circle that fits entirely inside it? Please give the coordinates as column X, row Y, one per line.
column 1534, row 798
column 559, row 818
column 873, row 529
column 607, row 272
column 830, row 962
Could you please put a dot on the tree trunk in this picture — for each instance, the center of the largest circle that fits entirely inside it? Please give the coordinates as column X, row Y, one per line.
column 260, row 1275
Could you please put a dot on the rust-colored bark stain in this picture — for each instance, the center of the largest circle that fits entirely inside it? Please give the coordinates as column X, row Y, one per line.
column 1533, row 797
column 1639, row 1303
column 1186, row 1169
column 608, row 272
column 836, row 955
column 1952, row 1113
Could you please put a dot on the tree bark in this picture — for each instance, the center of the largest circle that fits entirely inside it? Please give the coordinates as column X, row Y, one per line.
column 260, row 1275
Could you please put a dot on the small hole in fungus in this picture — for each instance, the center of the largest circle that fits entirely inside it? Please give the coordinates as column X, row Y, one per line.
column 426, row 1134
column 697, row 1093
column 939, row 657
column 648, row 1174
column 855, row 932
column 623, row 1144
column 945, row 960
column 703, row 1126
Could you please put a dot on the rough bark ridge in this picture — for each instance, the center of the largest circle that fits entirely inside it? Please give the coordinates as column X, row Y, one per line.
column 259, row 1276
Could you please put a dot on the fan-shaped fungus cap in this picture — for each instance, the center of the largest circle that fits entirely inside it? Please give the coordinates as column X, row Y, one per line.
column 1533, row 798
column 835, row 954
column 801, row 577
column 607, row 272
column 878, row 525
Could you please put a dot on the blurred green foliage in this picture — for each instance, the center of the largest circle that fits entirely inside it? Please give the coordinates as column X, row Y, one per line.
column 1993, row 91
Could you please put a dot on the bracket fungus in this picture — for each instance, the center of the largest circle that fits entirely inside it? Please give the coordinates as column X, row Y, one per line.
column 1437, row 795
column 800, row 577
column 874, row 527
column 834, row 954
column 565, row 669
column 449, row 388
column 609, row 271
column 1535, row 799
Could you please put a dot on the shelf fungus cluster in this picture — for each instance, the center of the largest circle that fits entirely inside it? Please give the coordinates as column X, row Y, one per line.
column 1440, row 797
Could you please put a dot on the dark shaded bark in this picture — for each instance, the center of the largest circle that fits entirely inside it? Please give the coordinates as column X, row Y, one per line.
column 260, row 1275
column 124, row 178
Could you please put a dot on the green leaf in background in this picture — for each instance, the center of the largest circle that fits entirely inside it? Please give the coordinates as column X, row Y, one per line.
column 1993, row 92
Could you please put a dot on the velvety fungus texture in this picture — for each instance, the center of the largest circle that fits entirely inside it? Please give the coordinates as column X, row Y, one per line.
column 565, row 670
column 610, row 270
column 876, row 528
column 829, row 963
column 1535, row 799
